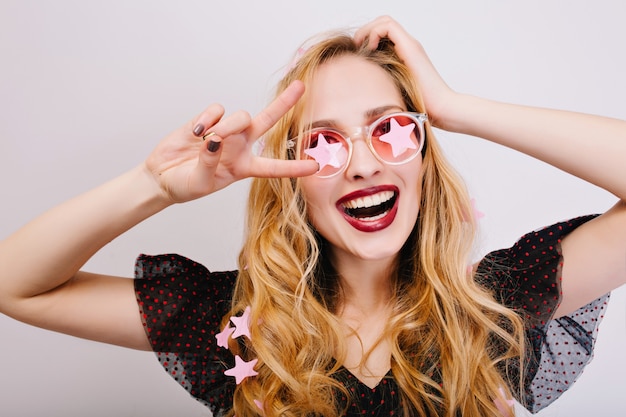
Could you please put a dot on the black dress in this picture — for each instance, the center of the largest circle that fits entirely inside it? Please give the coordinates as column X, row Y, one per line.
column 182, row 305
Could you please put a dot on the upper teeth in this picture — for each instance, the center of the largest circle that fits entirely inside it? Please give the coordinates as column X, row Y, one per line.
column 369, row 201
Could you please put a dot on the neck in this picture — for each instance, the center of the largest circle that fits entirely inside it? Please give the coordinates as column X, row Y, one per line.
column 365, row 312
column 366, row 286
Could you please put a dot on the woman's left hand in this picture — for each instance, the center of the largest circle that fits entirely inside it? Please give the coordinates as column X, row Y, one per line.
column 435, row 92
column 590, row 147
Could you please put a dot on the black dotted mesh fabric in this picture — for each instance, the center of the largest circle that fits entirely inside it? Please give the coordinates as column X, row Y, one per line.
column 382, row 400
column 182, row 305
column 527, row 278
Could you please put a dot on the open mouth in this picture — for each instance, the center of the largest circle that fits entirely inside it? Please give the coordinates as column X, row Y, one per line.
column 371, row 207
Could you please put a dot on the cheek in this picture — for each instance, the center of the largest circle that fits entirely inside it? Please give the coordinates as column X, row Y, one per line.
column 413, row 179
column 315, row 192
column 412, row 175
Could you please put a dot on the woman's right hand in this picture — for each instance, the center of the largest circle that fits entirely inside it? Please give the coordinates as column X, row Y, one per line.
column 186, row 167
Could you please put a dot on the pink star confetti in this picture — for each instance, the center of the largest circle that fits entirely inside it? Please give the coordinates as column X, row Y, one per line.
column 477, row 214
column 504, row 406
column 258, row 147
column 242, row 324
column 242, row 369
column 399, row 137
column 324, row 153
column 222, row 337
column 295, row 60
column 259, row 404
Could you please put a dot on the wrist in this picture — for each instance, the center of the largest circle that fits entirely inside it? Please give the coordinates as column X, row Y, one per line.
column 145, row 190
column 452, row 115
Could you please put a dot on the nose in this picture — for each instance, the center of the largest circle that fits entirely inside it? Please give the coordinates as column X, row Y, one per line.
column 363, row 163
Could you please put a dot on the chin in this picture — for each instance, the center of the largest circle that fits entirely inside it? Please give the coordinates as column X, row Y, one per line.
column 377, row 250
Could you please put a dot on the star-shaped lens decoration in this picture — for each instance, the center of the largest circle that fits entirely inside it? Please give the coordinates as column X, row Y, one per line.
column 399, row 137
column 324, row 153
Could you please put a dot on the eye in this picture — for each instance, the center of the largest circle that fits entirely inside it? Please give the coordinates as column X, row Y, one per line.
column 329, row 136
column 384, row 126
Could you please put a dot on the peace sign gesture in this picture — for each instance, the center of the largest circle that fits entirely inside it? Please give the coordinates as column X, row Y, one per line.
column 187, row 167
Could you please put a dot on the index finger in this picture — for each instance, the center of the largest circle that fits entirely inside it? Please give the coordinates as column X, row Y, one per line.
column 268, row 117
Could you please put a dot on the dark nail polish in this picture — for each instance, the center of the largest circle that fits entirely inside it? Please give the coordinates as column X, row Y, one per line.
column 198, row 130
column 213, row 146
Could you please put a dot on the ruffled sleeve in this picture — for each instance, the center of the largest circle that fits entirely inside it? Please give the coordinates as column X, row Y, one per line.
column 527, row 278
column 182, row 305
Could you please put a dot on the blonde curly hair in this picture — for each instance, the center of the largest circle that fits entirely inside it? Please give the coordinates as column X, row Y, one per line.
column 451, row 342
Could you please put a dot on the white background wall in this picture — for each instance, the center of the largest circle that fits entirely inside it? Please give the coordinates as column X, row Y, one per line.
column 88, row 88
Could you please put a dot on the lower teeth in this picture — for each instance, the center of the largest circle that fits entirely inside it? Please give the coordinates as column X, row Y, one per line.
column 371, row 219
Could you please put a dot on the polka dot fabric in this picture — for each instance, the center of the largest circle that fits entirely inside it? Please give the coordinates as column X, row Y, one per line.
column 182, row 305
column 382, row 400
column 527, row 278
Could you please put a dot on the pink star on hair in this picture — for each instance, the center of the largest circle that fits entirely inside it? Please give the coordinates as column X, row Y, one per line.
column 222, row 337
column 504, row 406
column 242, row 369
column 242, row 324
column 399, row 137
column 324, row 153
column 259, row 404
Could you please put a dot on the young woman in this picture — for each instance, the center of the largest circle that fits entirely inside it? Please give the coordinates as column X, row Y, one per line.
column 355, row 294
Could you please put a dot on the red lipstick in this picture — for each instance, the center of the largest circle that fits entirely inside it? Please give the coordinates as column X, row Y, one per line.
column 370, row 209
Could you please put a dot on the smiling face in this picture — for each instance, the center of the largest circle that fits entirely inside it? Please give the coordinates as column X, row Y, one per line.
column 367, row 211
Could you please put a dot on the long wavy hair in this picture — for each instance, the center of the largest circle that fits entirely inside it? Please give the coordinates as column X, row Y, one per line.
column 451, row 343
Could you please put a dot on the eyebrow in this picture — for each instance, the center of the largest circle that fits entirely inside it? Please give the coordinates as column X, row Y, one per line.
column 369, row 115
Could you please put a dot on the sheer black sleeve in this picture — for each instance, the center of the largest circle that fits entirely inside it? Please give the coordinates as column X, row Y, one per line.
column 527, row 278
column 182, row 305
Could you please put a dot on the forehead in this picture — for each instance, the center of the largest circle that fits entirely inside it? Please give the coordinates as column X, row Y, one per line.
column 345, row 88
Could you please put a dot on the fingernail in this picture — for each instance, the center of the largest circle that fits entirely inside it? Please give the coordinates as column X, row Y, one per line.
column 213, row 146
column 198, row 129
